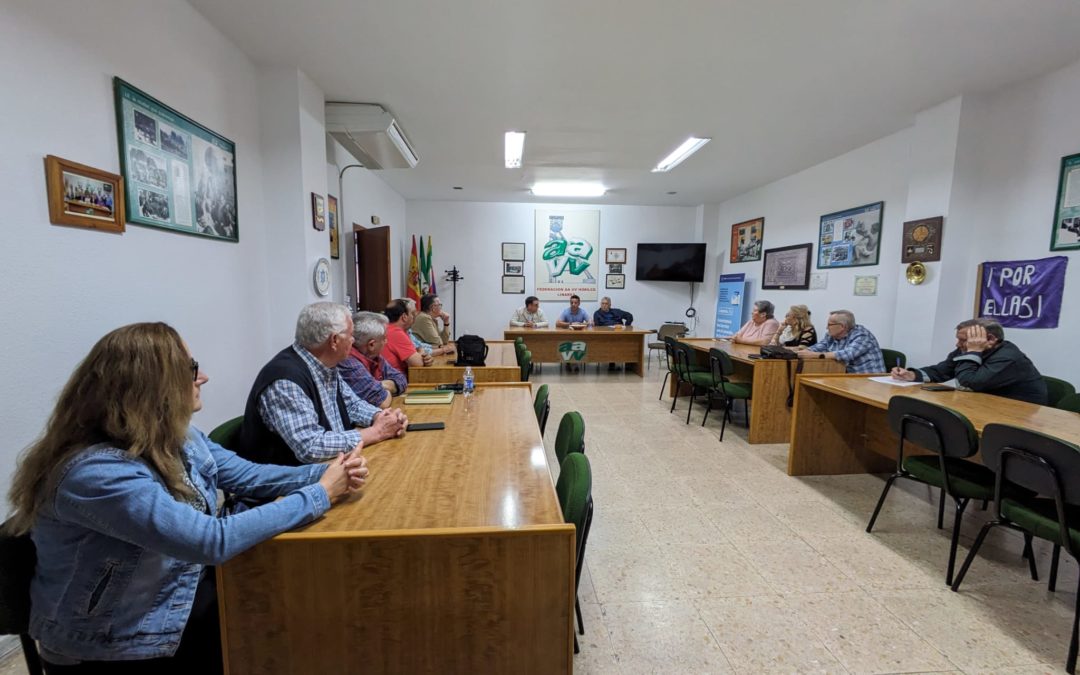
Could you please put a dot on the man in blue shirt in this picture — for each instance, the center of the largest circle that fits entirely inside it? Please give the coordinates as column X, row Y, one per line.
column 848, row 343
column 572, row 314
column 606, row 316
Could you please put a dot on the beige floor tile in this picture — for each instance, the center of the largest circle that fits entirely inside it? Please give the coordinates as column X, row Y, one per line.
column 715, row 571
column 680, row 525
column 597, row 657
column 662, row 637
column 13, row 663
column 634, row 574
column 794, row 567
column 747, row 524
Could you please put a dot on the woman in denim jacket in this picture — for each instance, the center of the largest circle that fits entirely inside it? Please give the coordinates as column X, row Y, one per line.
column 119, row 496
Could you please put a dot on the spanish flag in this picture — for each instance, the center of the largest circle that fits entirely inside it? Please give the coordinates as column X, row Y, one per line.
column 413, row 290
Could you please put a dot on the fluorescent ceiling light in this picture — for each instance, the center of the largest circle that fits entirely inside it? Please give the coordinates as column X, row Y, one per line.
column 515, row 148
column 689, row 147
column 568, row 189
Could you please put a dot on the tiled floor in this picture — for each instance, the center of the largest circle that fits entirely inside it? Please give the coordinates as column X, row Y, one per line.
column 705, row 557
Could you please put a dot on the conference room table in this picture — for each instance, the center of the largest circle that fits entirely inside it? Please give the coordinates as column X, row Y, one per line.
column 841, row 424
column 453, row 558
column 772, row 379
column 499, row 366
column 603, row 344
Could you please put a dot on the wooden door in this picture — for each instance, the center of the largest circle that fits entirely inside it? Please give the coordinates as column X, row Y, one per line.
column 371, row 255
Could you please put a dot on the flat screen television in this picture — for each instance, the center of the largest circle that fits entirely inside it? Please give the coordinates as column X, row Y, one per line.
column 671, row 262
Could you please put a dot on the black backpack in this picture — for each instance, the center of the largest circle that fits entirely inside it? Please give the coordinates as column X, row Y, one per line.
column 471, row 351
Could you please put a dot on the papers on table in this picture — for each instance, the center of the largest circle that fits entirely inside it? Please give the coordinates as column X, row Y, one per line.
column 887, row 379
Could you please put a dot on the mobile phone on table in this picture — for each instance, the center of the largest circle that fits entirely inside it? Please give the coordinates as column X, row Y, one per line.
column 425, row 426
column 938, row 387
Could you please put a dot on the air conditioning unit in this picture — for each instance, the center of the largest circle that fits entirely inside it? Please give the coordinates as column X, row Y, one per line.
column 371, row 134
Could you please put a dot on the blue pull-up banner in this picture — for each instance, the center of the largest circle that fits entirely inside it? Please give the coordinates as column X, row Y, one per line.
column 729, row 304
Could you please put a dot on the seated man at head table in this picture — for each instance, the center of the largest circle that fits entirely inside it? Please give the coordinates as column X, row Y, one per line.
column 426, row 327
column 848, row 343
column 299, row 410
column 984, row 361
column 529, row 316
column 607, row 316
column 761, row 327
column 369, row 375
column 425, row 348
column 573, row 315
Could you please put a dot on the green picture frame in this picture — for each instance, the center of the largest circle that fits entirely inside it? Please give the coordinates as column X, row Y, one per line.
column 852, row 237
column 1065, row 231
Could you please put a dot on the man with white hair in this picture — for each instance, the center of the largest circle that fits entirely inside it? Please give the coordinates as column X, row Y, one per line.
column 364, row 370
column 849, row 343
column 299, row 410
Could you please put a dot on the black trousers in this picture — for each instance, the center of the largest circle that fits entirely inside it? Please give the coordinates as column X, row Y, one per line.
column 199, row 650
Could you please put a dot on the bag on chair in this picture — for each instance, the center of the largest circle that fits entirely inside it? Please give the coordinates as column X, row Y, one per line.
column 471, row 351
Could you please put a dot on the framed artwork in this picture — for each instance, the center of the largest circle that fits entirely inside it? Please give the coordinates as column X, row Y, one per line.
column 318, row 212
column 787, row 268
column 746, row 239
column 83, row 196
column 615, row 281
column 332, row 223
column 513, row 268
column 866, row 285
column 513, row 285
column 615, row 268
column 851, row 238
column 615, row 256
column 922, row 240
column 566, row 256
column 513, row 251
column 1065, row 233
column 178, row 175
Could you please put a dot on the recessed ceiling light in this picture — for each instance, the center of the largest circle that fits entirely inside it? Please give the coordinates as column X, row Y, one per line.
column 515, row 148
column 568, row 189
column 688, row 147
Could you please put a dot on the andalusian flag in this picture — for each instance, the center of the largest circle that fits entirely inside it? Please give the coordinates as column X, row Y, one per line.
column 413, row 290
column 430, row 269
column 423, row 268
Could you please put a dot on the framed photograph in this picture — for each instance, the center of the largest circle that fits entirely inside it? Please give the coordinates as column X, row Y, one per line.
column 851, row 238
column 332, row 224
column 746, row 239
column 83, row 196
column 513, row 251
column 787, row 268
column 1065, row 234
column 615, row 268
column 922, row 240
column 513, row 285
column 615, row 255
column 615, row 281
column 178, row 175
column 318, row 212
column 513, row 268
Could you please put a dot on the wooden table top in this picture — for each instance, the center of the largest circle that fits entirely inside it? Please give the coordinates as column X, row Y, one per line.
column 736, row 351
column 486, row 470
column 500, row 354
column 981, row 409
column 604, row 330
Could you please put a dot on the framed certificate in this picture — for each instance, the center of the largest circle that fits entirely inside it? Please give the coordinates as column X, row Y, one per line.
column 513, row 250
column 513, row 284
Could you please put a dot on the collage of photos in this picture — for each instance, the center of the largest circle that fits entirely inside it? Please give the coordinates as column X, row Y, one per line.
column 851, row 238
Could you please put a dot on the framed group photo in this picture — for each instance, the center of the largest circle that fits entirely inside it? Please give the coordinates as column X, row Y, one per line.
column 851, row 238
column 513, row 268
column 83, row 196
column 787, row 268
column 746, row 240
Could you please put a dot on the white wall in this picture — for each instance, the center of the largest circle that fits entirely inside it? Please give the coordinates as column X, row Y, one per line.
column 66, row 287
column 469, row 235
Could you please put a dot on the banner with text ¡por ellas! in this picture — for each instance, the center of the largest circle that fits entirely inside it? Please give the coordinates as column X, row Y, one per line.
column 730, row 292
column 567, row 254
column 1023, row 293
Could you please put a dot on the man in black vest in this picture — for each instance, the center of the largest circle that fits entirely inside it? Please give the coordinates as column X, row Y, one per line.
column 299, row 410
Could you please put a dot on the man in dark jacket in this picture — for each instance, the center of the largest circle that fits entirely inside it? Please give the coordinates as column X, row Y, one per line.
column 606, row 316
column 984, row 361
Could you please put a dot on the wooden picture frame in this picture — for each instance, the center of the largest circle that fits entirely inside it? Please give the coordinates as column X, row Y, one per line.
column 318, row 212
column 747, row 239
column 333, row 224
column 922, row 240
column 1065, row 232
column 852, row 237
column 615, row 281
column 82, row 196
column 787, row 268
column 615, row 256
column 513, row 250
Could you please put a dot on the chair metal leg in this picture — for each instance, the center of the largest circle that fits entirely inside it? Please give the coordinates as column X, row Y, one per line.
column 693, row 394
column 1070, row 661
column 663, row 384
column 1052, row 586
column 1029, row 553
column 675, row 398
column 727, row 416
column 941, row 510
column 577, row 650
column 580, row 621
column 972, row 553
column 960, row 505
column 30, row 654
column 708, row 405
column 881, row 500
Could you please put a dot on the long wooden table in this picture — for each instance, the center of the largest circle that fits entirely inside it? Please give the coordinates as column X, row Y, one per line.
column 770, row 416
column 454, row 558
column 602, row 345
column 841, row 423
column 499, row 366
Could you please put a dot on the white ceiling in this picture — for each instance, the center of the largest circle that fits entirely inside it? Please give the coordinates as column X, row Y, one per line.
column 606, row 88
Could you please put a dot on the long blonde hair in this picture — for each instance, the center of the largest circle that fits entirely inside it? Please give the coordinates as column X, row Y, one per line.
column 133, row 391
column 801, row 314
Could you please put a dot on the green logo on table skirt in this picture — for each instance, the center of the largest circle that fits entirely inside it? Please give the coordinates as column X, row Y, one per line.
column 572, row 351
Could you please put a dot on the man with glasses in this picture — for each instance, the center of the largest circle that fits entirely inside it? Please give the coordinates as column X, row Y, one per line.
column 299, row 410
column 848, row 343
column 425, row 326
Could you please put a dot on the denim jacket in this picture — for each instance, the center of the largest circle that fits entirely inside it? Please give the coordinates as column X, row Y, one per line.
column 119, row 558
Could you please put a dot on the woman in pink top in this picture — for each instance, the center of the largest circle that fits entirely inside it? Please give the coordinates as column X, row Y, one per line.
column 761, row 327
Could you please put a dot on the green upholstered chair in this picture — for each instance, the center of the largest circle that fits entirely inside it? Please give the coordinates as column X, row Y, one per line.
column 1046, row 466
column 18, row 557
column 226, row 433
column 670, row 345
column 674, row 330
column 574, row 489
column 526, row 365
column 571, row 435
column 1070, row 402
column 952, row 439
column 686, row 372
column 893, row 358
column 1057, row 389
column 542, row 406
column 722, row 388
column 519, row 341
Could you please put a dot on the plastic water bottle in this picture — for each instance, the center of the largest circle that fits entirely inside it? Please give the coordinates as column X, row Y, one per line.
column 468, row 386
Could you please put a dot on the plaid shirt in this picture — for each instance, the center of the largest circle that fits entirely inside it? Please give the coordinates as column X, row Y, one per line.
column 289, row 413
column 858, row 349
column 365, row 377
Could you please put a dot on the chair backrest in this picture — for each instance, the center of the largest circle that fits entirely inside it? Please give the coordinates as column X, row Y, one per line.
column 1057, row 389
column 571, row 435
column 893, row 358
column 934, row 427
column 684, row 359
column 1070, row 403
column 574, row 488
column 17, row 560
column 1033, row 460
column 526, row 365
column 674, row 330
column 227, row 433
column 519, row 351
column 720, row 364
column 670, row 345
column 541, row 404
column 519, row 341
